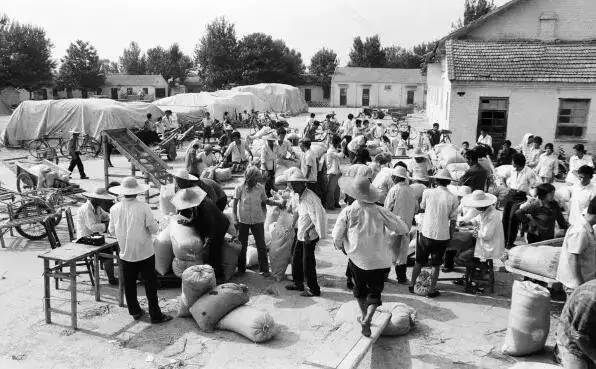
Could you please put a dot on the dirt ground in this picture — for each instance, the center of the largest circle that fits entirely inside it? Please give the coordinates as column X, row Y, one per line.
column 456, row 330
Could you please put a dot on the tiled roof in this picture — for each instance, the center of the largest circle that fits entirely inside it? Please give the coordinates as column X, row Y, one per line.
column 378, row 75
column 135, row 80
column 521, row 61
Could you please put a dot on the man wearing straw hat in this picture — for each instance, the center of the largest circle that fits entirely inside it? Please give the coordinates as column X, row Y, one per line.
column 91, row 218
column 210, row 223
column 311, row 221
column 183, row 179
column 268, row 162
column 440, row 214
column 362, row 232
column 421, row 162
column 75, row 153
column 490, row 237
column 133, row 223
column 402, row 202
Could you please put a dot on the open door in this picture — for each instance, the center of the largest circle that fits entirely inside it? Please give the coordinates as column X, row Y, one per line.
column 492, row 116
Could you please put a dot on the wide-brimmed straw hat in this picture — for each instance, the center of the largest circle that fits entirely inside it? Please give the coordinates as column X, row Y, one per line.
column 359, row 188
column 129, row 186
column 359, row 170
column 295, row 175
column 400, row 171
column 418, row 153
column 99, row 193
column 419, row 175
column 188, row 198
column 478, row 199
column 182, row 174
column 443, row 174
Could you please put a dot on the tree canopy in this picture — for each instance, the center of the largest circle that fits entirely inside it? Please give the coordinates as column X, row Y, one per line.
column 81, row 67
column 25, row 55
column 322, row 66
column 368, row 53
column 473, row 9
column 133, row 61
column 216, row 55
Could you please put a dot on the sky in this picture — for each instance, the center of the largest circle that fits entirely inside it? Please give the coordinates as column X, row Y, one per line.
column 304, row 25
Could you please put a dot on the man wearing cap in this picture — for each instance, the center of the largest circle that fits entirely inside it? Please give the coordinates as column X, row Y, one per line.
column 132, row 222
column 268, row 162
column 91, row 218
column 210, row 223
column 361, row 232
column 440, row 214
column 75, row 154
column 402, row 202
column 311, row 221
column 475, row 177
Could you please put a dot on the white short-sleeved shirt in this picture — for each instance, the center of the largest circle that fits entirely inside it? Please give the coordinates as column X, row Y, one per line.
column 522, row 180
column 579, row 201
column 440, row 207
column 132, row 222
column 307, row 159
column 579, row 240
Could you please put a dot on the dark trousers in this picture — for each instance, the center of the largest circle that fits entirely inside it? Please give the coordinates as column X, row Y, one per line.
column 258, row 232
column 215, row 247
column 222, row 203
column 76, row 161
column 147, row 270
column 332, row 191
column 510, row 222
column 270, row 182
column 304, row 265
column 109, row 148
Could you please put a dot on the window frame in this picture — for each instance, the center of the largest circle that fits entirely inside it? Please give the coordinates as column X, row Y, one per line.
column 570, row 117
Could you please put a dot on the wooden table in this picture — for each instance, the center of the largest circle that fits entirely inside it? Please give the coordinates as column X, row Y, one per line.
column 67, row 256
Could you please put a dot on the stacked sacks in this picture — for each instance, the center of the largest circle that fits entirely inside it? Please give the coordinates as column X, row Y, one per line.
column 187, row 246
column 252, row 323
column 541, row 260
column 208, row 310
column 164, row 254
column 196, row 281
column 280, row 247
column 230, row 250
column 223, row 174
column 165, row 196
column 403, row 317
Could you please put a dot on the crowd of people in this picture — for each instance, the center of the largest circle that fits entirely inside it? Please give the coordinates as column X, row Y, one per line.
column 388, row 200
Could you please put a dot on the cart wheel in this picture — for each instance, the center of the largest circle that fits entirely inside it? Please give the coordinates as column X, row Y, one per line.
column 25, row 182
column 39, row 149
column 35, row 231
column 64, row 149
column 172, row 153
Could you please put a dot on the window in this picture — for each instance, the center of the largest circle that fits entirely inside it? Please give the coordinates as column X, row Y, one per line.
column 573, row 118
column 129, row 91
column 145, row 91
column 387, row 87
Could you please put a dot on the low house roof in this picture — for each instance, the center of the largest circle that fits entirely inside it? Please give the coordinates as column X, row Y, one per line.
column 135, row 80
column 521, row 61
column 378, row 75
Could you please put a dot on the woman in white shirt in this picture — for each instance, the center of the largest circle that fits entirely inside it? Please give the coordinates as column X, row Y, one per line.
column 548, row 165
column 490, row 238
column 576, row 161
column 485, row 139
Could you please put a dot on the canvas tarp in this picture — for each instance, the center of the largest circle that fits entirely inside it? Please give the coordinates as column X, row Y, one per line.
column 33, row 119
column 278, row 97
column 216, row 103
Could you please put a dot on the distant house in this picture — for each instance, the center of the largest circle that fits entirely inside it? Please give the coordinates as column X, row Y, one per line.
column 312, row 91
column 193, row 84
column 377, row 87
column 152, row 86
column 527, row 67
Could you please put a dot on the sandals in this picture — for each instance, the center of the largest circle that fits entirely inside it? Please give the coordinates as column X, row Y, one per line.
column 365, row 327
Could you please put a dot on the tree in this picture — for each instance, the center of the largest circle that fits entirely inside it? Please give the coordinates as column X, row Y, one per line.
column 108, row 67
column 473, row 9
column 25, row 56
column 133, row 61
column 157, row 61
column 216, row 55
column 368, row 54
column 179, row 64
column 399, row 57
column 81, row 67
column 262, row 59
column 322, row 66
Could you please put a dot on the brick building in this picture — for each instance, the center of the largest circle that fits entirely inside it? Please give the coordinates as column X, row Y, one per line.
column 527, row 67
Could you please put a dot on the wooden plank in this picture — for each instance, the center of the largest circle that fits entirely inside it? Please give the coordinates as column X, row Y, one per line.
column 347, row 345
column 355, row 356
column 75, row 251
column 529, row 274
column 73, row 296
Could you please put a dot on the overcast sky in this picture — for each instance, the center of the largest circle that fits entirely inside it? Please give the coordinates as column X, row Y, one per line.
column 305, row 25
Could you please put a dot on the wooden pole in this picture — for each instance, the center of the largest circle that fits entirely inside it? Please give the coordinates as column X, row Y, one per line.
column 73, row 295
column 106, row 167
column 46, row 290
column 96, row 276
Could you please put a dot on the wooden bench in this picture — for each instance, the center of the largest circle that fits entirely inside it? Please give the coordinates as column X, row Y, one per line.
column 346, row 347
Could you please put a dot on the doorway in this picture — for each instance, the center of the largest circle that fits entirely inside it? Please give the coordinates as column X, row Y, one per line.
column 410, row 97
column 365, row 96
column 114, row 93
column 492, row 116
column 343, row 96
column 307, row 94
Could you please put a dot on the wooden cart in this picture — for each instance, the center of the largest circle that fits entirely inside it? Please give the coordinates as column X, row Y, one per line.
column 28, row 181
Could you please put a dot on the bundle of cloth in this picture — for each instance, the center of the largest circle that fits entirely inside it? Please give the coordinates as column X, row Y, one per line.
column 47, row 175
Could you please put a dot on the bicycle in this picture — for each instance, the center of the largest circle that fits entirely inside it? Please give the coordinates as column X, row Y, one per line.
column 396, row 129
column 45, row 147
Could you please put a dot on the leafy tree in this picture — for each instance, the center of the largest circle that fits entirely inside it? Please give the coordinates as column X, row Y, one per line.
column 262, row 59
column 157, row 61
column 322, row 66
column 216, row 55
column 133, row 61
column 473, row 9
column 179, row 64
column 108, row 67
column 399, row 57
column 25, row 56
column 368, row 53
column 81, row 67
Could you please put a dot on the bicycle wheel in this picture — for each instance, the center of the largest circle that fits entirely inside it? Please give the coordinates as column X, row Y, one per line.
column 91, row 147
column 393, row 131
column 413, row 133
column 34, row 231
column 64, row 148
column 39, row 149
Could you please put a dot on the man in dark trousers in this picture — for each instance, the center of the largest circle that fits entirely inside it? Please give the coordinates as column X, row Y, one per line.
column 75, row 154
column 203, row 215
